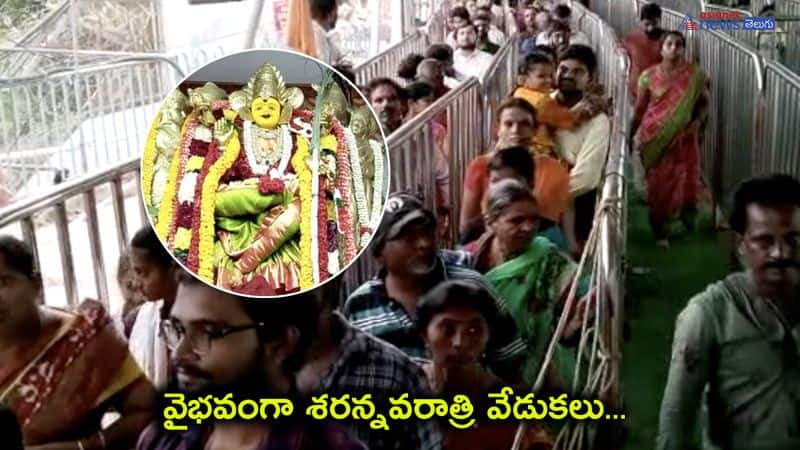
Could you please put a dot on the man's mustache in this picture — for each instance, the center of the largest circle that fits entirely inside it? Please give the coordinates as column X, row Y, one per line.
column 782, row 264
column 193, row 371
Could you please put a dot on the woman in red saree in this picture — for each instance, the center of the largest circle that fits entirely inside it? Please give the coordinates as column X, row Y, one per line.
column 59, row 371
column 670, row 110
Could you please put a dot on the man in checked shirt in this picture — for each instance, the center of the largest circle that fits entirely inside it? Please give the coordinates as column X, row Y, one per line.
column 345, row 360
column 385, row 307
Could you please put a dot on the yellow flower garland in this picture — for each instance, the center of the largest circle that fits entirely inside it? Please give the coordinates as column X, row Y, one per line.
column 205, row 253
column 148, row 161
column 183, row 238
column 195, row 164
column 304, row 181
column 166, row 211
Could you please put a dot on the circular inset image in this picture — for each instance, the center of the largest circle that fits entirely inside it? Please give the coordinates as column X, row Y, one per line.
column 265, row 173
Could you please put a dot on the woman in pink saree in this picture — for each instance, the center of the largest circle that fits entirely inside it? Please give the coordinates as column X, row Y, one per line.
column 61, row 371
column 670, row 109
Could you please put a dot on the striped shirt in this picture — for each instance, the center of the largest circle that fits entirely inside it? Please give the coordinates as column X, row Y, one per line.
column 372, row 310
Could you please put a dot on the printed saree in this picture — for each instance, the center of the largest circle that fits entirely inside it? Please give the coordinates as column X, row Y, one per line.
column 669, row 147
column 534, row 285
column 57, row 389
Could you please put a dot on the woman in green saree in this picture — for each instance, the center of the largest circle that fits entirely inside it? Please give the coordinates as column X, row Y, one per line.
column 531, row 274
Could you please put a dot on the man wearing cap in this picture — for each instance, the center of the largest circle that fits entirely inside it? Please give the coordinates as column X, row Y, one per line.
column 405, row 246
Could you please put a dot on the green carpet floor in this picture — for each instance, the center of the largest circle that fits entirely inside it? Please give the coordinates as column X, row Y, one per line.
column 654, row 300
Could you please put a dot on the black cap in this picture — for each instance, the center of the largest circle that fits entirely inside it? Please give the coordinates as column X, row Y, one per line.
column 401, row 210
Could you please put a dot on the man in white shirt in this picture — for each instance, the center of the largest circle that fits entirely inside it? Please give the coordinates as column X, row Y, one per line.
column 467, row 59
column 562, row 15
column 585, row 147
column 458, row 18
column 325, row 14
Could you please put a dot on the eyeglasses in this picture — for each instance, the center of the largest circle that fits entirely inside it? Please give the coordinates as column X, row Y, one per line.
column 199, row 335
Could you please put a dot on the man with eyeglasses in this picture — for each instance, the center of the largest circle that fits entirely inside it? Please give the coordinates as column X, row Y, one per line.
column 221, row 343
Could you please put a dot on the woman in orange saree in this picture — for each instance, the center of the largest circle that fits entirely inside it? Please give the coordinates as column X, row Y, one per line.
column 670, row 110
column 60, row 371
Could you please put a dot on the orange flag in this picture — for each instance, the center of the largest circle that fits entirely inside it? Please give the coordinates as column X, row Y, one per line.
column 300, row 29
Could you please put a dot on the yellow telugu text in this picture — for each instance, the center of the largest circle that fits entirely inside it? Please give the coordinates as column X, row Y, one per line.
column 458, row 412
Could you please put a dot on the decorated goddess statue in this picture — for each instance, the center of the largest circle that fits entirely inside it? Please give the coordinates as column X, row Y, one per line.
column 269, row 210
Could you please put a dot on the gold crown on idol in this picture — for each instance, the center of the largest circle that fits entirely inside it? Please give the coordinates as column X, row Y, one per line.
column 267, row 82
column 334, row 103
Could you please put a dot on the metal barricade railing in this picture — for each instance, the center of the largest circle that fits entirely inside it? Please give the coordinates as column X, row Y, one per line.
column 497, row 83
column 736, row 80
column 423, row 9
column 788, row 36
column 685, row 7
column 778, row 136
column 192, row 59
column 68, row 123
column 599, row 351
column 786, row 7
column 63, row 221
column 123, row 26
column 411, row 156
column 747, row 36
column 385, row 64
column 616, row 13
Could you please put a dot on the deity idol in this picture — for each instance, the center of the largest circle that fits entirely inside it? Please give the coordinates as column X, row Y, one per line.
column 257, row 221
column 257, row 211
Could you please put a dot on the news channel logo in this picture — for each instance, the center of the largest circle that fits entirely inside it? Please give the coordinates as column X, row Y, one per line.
column 726, row 20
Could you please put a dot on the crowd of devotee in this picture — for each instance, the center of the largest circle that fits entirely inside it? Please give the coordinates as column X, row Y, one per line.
column 440, row 318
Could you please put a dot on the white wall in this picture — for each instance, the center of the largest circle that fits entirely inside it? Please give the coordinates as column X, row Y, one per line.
column 223, row 24
column 237, row 68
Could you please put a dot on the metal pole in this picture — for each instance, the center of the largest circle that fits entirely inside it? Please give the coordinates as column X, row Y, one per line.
column 255, row 19
column 73, row 17
column 375, row 27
